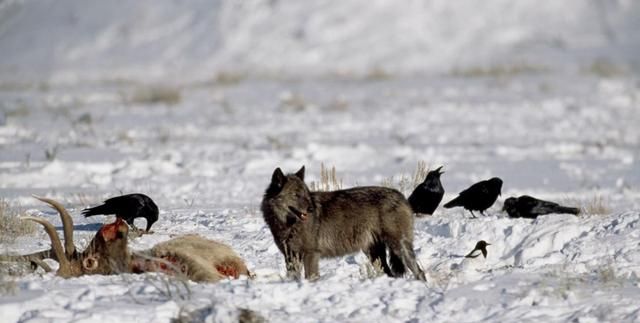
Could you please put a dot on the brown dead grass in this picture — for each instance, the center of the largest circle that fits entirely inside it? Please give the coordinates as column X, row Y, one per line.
column 154, row 94
column 370, row 270
column 498, row 71
column 11, row 226
column 594, row 205
column 329, row 180
column 406, row 183
column 7, row 285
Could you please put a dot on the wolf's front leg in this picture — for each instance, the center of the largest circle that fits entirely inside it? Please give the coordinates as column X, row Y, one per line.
column 311, row 260
column 294, row 265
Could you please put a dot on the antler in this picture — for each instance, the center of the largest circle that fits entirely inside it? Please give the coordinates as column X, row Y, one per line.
column 65, row 266
column 62, row 255
column 67, row 224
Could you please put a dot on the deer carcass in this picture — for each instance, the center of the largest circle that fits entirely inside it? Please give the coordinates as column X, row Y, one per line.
column 199, row 259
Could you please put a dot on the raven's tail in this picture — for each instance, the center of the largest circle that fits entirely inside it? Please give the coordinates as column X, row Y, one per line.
column 100, row 209
column 453, row 203
column 568, row 210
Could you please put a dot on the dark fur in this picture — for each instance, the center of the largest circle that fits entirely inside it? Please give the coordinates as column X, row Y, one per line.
column 425, row 197
column 479, row 196
column 127, row 207
column 307, row 226
column 530, row 207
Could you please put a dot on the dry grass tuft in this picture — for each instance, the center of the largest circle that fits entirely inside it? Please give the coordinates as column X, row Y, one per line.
column 208, row 313
column 229, row 77
column 11, row 226
column 420, row 173
column 7, row 285
column 498, row 71
column 595, row 205
column 604, row 68
column 377, row 73
column 407, row 183
column 370, row 270
column 329, row 180
column 246, row 315
column 154, row 94
column 290, row 101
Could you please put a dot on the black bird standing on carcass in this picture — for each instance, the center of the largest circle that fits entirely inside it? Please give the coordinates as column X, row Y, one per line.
column 127, row 207
column 478, row 197
column 530, row 207
column 426, row 196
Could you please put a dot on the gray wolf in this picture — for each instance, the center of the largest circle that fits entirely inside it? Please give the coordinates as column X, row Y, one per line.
column 307, row 226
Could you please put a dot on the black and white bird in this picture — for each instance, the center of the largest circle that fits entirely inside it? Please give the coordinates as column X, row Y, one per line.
column 426, row 197
column 127, row 207
column 481, row 248
column 479, row 196
column 529, row 207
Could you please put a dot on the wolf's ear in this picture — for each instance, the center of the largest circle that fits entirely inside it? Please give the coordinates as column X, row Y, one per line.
column 278, row 178
column 300, row 173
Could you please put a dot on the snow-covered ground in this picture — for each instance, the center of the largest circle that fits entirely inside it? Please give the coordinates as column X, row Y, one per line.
column 196, row 105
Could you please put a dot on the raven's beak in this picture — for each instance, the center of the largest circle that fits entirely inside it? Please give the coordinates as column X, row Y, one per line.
column 438, row 170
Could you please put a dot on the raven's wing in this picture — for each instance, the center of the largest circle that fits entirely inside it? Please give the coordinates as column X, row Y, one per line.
column 536, row 206
column 126, row 206
column 479, row 189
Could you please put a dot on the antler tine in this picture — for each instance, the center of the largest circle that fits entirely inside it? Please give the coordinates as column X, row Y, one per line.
column 42, row 264
column 65, row 266
column 67, row 224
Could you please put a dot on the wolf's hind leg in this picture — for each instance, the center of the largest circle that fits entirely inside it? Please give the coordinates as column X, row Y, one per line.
column 404, row 248
column 377, row 254
column 396, row 264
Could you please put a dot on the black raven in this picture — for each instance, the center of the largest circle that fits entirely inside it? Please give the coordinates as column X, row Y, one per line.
column 478, row 197
column 481, row 246
column 426, row 197
column 530, row 207
column 127, row 207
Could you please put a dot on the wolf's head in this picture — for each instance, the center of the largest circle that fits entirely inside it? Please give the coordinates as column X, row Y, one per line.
column 289, row 197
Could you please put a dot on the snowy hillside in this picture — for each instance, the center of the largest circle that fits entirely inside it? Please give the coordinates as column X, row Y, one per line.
column 152, row 40
column 196, row 104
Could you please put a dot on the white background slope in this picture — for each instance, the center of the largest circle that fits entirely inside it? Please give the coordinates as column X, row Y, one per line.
column 372, row 94
column 65, row 41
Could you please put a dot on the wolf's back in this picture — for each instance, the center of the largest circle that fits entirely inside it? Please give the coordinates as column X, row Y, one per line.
column 365, row 196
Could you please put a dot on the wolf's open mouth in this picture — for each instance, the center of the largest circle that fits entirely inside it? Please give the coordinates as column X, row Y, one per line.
column 301, row 215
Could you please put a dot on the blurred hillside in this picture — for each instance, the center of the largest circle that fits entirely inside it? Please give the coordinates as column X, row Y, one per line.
column 78, row 40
